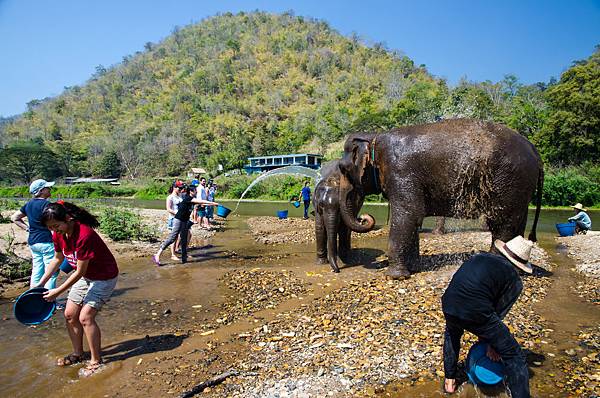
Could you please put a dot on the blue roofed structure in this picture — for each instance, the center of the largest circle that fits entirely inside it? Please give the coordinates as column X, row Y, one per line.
column 260, row 164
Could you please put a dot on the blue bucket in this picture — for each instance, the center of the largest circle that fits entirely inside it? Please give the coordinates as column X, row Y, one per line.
column 566, row 229
column 482, row 370
column 282, row 214
column 296, row 204
column 31, row 309
column 223, row 211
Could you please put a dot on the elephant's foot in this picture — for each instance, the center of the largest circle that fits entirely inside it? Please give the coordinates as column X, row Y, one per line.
column 398, row 272
column 322, row 260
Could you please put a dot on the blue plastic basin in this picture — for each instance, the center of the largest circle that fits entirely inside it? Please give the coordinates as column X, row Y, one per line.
column 482, row 370
column 31, row 309
column 282, row 214
column 296, row 204
column 566, row 229
column 223, row 211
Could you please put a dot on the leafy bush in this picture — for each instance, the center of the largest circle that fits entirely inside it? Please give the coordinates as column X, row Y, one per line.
column 565, row 187
column 13, row 267
column 121, row 224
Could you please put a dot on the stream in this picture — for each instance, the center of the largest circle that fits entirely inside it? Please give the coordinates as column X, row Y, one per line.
column 166, row 302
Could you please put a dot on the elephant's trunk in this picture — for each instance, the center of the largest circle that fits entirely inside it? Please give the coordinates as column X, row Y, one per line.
column 365, row 222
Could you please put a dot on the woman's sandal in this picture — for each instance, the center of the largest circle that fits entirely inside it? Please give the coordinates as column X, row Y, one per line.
column 70, row 359
column 91, row 369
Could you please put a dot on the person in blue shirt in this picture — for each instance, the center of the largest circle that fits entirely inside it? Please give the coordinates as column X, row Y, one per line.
column 305, row 194
column 583, row 221
column 40, row 238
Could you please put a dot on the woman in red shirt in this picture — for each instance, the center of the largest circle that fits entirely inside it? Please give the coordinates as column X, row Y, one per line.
column 92, row 282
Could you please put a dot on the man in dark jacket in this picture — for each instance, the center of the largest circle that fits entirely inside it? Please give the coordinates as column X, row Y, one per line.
column 478, row 297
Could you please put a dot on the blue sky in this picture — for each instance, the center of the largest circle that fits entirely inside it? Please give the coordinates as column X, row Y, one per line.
column 47, row 45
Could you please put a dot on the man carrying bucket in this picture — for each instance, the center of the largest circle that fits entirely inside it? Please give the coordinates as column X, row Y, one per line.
column 478, row 297
column 581, row 218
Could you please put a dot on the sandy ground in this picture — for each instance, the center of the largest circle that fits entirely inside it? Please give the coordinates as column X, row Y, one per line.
column 585, row 251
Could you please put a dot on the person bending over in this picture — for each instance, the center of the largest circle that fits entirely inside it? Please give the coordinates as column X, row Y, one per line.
column 92, row 282
column 478, row 297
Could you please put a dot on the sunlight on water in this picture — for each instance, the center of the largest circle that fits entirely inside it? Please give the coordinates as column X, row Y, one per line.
column 286, row 170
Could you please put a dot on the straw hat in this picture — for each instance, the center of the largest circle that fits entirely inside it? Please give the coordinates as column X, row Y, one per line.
column 517, row 251
column 579, row 206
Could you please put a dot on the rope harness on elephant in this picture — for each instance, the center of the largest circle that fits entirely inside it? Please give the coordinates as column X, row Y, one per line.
column 375, row 170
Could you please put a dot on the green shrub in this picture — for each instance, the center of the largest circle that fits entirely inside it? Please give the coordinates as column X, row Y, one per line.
column 567, row 186
column 121, row 224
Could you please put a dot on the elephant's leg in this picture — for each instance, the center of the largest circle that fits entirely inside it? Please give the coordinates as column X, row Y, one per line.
column 507, row 226
column 440, row 226
column 331, row 226
column 321, row 238
column 403, row 250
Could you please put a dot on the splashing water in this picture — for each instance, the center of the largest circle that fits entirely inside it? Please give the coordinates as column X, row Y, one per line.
column 286, row 170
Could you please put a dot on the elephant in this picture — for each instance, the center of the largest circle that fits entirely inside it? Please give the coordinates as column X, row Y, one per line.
column 460, row 168
column 328, row 223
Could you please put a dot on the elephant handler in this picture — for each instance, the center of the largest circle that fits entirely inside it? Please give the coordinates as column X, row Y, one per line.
column 478, row 297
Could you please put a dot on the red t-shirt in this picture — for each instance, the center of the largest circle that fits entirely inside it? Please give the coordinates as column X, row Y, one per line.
column 86, row 244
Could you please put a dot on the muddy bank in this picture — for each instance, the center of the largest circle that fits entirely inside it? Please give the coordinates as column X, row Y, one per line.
column 585, row 250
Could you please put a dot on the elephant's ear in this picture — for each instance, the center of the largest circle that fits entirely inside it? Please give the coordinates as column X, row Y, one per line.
column 356, row 159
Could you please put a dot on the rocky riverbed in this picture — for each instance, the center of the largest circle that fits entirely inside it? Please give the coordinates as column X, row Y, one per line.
column 585, row 250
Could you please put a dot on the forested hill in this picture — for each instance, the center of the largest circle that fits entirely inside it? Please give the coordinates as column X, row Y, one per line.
column 233, row 86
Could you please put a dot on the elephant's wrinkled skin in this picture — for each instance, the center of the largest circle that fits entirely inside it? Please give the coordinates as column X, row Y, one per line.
column 456, row 168
column 328, row 223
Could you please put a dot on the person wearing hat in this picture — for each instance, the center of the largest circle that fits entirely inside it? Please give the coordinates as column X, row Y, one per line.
column 478, row 297
column 40, row 237
column 581, row 218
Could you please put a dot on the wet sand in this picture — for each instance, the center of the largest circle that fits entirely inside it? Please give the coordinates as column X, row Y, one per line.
column 292, row 328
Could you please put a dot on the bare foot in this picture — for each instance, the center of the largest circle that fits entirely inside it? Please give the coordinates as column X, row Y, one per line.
column 174, row 258
column 450, row 386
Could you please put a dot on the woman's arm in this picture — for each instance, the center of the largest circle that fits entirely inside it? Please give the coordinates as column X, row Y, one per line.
column 204, row 202
column 52, row 268
column 17, row 218
column 52, row 294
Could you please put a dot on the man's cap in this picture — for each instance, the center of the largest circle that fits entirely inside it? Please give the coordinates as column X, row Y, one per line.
column 578, row 206
column 517, row 251
column 178, row 184
column 38, row 185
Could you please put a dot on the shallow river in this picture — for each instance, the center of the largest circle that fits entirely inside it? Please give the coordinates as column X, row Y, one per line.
column 144, row 293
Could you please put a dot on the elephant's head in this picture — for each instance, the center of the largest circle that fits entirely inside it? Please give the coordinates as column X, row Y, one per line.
column 356, row 180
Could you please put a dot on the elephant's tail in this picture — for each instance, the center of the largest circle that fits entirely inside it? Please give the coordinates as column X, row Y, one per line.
column 540, row 189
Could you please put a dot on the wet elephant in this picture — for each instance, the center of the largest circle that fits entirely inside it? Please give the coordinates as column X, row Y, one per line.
column 455, row 168
column 332, row 235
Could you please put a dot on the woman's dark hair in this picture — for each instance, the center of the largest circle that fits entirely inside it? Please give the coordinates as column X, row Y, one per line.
column 171, row 188
column 58, row 211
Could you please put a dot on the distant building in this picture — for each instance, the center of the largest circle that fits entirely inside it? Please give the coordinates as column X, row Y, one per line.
column 266, row 163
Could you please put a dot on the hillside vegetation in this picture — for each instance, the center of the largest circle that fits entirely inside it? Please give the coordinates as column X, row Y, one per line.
column 234, row 86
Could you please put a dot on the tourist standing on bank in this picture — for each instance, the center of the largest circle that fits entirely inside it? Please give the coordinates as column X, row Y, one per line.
column 212, row 190
column 182, row 223
column 172, row 204
column 477, row 299
column 305, row 195
column 40, row 237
